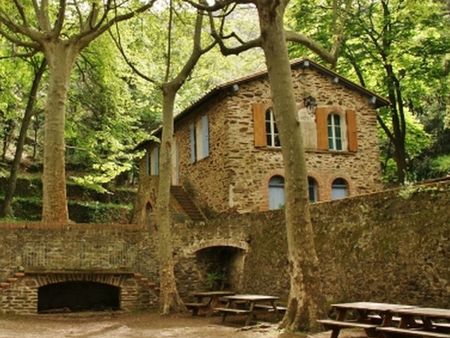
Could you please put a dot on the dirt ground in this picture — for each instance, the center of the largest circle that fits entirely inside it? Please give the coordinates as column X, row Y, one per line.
column 143, row 325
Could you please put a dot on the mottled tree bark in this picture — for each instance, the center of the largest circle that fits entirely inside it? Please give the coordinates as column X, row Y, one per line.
column 305, row 298
column 169, row 301
column 61, row 59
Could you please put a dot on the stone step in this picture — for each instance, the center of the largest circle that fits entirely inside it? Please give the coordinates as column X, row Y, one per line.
column 19, row 274
column 12, row 279
column 5, row 285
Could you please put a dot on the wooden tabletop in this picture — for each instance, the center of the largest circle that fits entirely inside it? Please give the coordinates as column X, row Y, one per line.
column 426, row 311
column 212, row 293
column 251, row 298
column 371, row 306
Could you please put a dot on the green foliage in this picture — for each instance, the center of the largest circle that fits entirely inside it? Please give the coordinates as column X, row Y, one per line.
column 215, row 280
column 417, row 141
column 411, row 39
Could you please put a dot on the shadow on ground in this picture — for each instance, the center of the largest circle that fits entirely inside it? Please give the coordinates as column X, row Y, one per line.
column 142, row 325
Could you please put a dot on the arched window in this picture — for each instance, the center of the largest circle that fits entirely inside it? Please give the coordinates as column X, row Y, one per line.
column 334, row 132
column 276, row 192
column 272, row 137
column 339, row 189
column 312, row 190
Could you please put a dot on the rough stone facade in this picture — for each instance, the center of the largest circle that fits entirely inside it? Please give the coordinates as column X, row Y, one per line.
column 390, row 247
column 236, row 174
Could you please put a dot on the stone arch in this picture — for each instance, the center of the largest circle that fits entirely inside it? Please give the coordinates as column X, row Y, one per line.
column 77, row 296
column 218, row 263
column 192, row 249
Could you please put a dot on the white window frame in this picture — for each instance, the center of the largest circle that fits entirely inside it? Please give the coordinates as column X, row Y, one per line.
column 276, row 193
column 199, row 137
column 339, row 190
column 272, row 134
column 333, row 137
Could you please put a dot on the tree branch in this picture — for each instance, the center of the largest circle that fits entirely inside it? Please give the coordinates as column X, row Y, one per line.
column 312, row 45
column 21, row 11
column 60, row 18
column 118, row 43
column 244, row 46
column 19, row 42
column 85, row 37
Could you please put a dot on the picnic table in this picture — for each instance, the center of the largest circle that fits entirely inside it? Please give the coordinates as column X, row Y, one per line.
column 419, row 322
column 249, row 305
column 363, row 315
column 206, row 300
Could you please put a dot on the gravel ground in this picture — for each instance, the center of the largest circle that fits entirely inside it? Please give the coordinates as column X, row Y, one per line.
column 142, row 325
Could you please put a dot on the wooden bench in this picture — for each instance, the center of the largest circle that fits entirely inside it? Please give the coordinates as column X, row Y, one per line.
column 195, row 307
column 392, row 331
column 377, row 319
column 225, row 311
column 337, row 325
column 270, row 308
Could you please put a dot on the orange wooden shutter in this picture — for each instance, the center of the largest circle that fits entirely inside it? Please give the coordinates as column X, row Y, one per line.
column 322, row 128
column 352, row 134
column 259, row 124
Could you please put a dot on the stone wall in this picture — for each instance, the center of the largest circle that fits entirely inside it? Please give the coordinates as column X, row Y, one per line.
column 236, row 174
column 387, row 247
column 391, row 247
column 253, row 167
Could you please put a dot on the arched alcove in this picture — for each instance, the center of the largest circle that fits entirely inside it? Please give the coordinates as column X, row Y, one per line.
column 221, row 267
column 76, row 296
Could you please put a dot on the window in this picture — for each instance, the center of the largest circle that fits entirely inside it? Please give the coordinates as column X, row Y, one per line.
column 312, row 190
column 336, row 129
column 276, row 192
column 199, row 137
column 272, row 137
column 334, row 132
column 339, row 189
column 154, row 161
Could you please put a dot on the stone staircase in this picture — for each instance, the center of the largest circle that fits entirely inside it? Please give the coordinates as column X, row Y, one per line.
column 186, row 203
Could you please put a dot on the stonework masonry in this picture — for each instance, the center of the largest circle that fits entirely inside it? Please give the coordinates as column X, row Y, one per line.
column 390, row 246
column 235, row 175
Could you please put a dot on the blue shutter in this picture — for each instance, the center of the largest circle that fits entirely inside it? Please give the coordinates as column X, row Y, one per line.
column 192, row 138
column 155, row 161
column 147, row 163
column 205, row 136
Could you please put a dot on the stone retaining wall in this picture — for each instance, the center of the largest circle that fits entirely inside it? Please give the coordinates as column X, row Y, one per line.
column 391, row 247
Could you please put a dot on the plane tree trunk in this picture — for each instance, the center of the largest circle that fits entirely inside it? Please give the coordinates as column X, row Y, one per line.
column 169, row 301
column 305, row 298
column 61, row 59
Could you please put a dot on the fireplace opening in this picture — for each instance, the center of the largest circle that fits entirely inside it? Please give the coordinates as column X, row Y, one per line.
column 78, row 296
column 221, row 267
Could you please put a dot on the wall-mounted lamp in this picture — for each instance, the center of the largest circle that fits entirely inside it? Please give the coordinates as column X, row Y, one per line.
column 235, row 88
column 306, row 63
column 373, row 100
column 310, row 102
column 335, row 79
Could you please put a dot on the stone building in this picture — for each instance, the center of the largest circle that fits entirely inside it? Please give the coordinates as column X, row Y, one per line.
column 226, row 153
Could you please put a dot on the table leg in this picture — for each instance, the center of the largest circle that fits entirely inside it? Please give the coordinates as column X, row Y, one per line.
column 335, row 333
column 250, row 315
column 275, row 309
column 341, row 313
